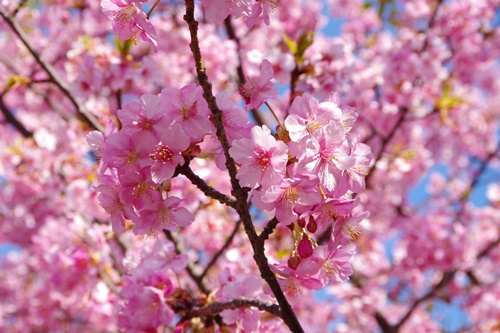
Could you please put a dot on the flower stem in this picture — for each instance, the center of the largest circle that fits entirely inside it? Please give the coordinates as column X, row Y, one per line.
column 274, row 114
column 152, row 8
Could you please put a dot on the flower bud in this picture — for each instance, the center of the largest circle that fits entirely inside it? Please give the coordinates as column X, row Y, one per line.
column 305, row 247
column 293, row 262
column 301, row 222
column 312, row 226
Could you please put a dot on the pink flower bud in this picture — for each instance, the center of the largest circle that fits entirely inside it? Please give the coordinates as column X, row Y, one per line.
column 301, row 222
column 293, row 262
column 305, row 247
column 312, row 226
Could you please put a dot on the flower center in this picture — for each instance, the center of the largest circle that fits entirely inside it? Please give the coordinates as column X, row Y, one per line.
column 162, row 154
column 291, row 195
column 262, row 158
column 351, row 230
column 125, row 16
column 188, row 111
column 326, row 155
column 145, row 123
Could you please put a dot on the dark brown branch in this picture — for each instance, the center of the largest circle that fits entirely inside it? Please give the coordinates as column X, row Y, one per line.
column 203, row 186
column 82, row 114
column 240, row 303
column 268, row 229
column 189, row 268
column 11, row 119
column 241, row 76
column 222, row 249
column 241, row 194
column 19, row 6
column 384, row 324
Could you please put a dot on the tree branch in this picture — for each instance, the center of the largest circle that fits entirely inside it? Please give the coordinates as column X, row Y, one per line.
column 268, row 229
column 82, row 114
column 241, row 194
column 11, row 119
column 241, row 76
column 203, row 186
column 19, row 6
column 222, row 249
column 189, row 268
column 240, row 303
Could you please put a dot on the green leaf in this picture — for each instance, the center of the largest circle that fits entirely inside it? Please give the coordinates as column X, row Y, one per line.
column 291, row 44
column 305, row 40
column 123, row 46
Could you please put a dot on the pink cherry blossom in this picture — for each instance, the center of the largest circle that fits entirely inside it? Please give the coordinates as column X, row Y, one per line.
column 308, row 116
column 129, row 153
column 262, row 158
column 137, row 188
column 129, row 20
column 166, row 155
column 334, row 261
column 258, row 89
column 217, row 10
column 235, row 119
column 188, row 108
column 143, row 116
column 119, row 211
column 294, row 280
column 145, row 309
column 262, row 7
column 241, row 286
column 329, row 157
column 290, row 198
column 356, row 173
column 165, row 214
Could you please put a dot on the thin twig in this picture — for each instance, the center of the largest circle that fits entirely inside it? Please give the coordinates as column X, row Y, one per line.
column 216, row 256
column 82, row 114
column 385, row 142
column 239, row 69
column 189, row 268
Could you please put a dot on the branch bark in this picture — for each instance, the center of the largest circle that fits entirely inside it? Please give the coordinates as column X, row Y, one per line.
column 203, row 186
column 240, row 303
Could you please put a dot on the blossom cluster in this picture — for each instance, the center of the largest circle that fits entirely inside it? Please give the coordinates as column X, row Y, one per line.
column 307, row 182
column 147, row 288
column 423, row 76
column 306, row 173
column 129, row 19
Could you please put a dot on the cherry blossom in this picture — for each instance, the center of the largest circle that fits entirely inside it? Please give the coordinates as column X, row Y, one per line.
column 139, row 195
column 262, row 158
column 129, row 20
column 258, row 89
